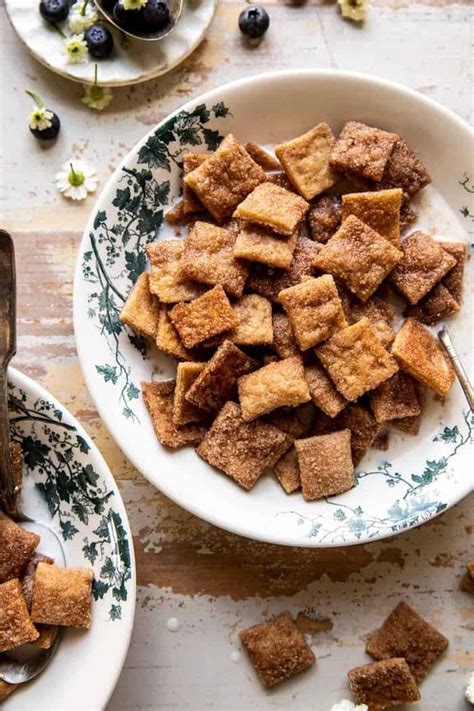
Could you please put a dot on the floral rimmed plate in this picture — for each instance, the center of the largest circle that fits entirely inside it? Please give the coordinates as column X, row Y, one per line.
column 67, row 484
column 132, row 61
column 416, row 478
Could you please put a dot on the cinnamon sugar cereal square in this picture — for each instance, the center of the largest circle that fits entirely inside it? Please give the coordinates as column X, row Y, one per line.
column 324, row 218
column 423, row 264
column 191, row 202
column 287, row 472
column 382, row 685
column 260, row 244
column 217, row 381
column 361, row 423
column 16, row 548
column 453, row 281
column 273, row 207
column 62, row 596
column 281, row 179
column 16, row 627
column 436, row 306
column 166, row 281
column 404, row 170
column 362, row 150
column 395, row 398
column 322, row 391
column 275, row 385
column 208, row 258
column 255, row 321
column 183, row 411
column 283, row 337
column 356, row 359
column 380, row 314
column 381, row 441
column 407, row 217
column 262, row 157
column 325, row 464
column 277, row 649
column 225, row 178
column 358, row 256
column 405, row 633
column 314, row 310
column 47, row 633
column 287, row 421
column 175, row 215
column 141, row 310
column 380, row 210
column 204, row 317
column 242, row 450
column 159, row 399
column 167, row 339
column 306, row 160
column 421, row 356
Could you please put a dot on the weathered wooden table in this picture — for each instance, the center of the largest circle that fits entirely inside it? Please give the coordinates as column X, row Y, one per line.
column 213, row 582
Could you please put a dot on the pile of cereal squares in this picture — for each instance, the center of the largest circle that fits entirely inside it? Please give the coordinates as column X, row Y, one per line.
column 282, row 294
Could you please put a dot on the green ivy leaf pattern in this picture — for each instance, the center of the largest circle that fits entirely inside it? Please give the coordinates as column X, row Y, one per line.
column 73, row 492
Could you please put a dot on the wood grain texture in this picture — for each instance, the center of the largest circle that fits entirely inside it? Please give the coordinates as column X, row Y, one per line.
column 214, row 582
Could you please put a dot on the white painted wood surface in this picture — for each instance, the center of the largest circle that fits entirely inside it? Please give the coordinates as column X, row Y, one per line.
column 216, row 583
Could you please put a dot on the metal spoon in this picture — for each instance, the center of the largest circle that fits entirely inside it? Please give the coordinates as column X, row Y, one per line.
column 176, row 9
column 463, row 378
column 26, row 663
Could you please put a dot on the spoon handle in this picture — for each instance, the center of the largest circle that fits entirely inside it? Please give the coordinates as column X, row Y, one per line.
column 463, row 378
column 8, row 485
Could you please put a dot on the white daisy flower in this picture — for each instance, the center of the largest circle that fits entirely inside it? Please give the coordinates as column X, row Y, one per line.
column 134, row 4
column 95, row 96
column 470, row 689
column 355, row 10
column 346, row 705
column 76, row 179
column 76, row 49
column 40, row 119
column 81, row 16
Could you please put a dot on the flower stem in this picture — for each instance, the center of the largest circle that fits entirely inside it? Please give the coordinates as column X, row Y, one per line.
column 95, row 74
column 84, row 7
column 59, row 31
column 36, row 98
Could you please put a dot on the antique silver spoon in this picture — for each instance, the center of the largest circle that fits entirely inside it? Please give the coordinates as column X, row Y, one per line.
column 462, row 376
column 176, row 9
column 26, row 663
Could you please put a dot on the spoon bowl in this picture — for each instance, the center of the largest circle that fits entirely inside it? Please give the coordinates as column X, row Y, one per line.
column 176, row 9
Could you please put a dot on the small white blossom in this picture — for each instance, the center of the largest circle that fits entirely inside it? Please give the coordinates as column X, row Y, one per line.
column 134, row 4
column 76, row 49
column 76, row 179
column 355, row 10
column 470, row 689
column 97, row 97
column 81, row 16
column 40, row 119
column 346, row 705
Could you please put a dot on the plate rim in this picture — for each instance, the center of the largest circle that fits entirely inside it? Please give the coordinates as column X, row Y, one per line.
column 213, row 517
column 20, row 379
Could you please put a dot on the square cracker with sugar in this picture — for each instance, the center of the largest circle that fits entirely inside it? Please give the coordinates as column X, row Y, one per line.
column 255, row 321
column 17, row 545
column 166, row 281
column 142, row 308
column 261, row 244
column 325, row 464
column 159, row 399
column 191, row 202
column 362, row 150
column 207, row 316
column 62, row 596
column 287, row 472
column 323, row 392
column 380, row 210
column 183, row 411
column 384, row 684
column 395, row 398
column 284, row 342
column 274, row 207
column 16, row 627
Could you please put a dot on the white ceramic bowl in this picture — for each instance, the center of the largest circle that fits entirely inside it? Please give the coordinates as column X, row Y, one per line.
column 416, row 478
column 65, row 475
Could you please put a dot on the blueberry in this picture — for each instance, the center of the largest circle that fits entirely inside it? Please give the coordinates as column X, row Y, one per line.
column 155, row 15
column 128, row 19
column 254, row 21
column 99, row 40
column 48, row 134
column 54, row 10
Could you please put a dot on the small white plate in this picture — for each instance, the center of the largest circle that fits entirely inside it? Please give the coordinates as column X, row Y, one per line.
column 133, row 61
column 68, row 486
column 418, row 477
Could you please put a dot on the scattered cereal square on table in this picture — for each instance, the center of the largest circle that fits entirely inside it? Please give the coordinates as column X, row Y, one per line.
column 273, row 207
column 324, row 218
column 395, row 398
column 453, row 280
column 16, row 627
column 277, row 649
column 242, row 450
column 208, row 258
column 380, row 314
column 225, row 178
column 217, row 381
column 159, row 399
column 322, row 391
column 62, row 596
column 314, row 310
column 380, row 210
column 384, row 684
column 423, row 264
column 325, row 464
column 421, row 356
column 283, row 337
column 356, row 359
column 16, row 548
column 436, row 306
column 467, row 581
column 185, row 412
column 306, row 161
column 142, row 308
column 358, row 256
column 406, row 633
column 255, row 321
column 191, row 202
column 275, row 385
column 167, row 339
column 261, row 244
column 287, row 472
column 263, row 158
column 404, row 170
column 362, row 150
column 165, row 279
column 204, row 317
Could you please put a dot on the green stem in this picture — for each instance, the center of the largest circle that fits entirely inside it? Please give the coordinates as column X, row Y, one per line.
column 84, row 7
column 36, row 98
column 59, row 31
